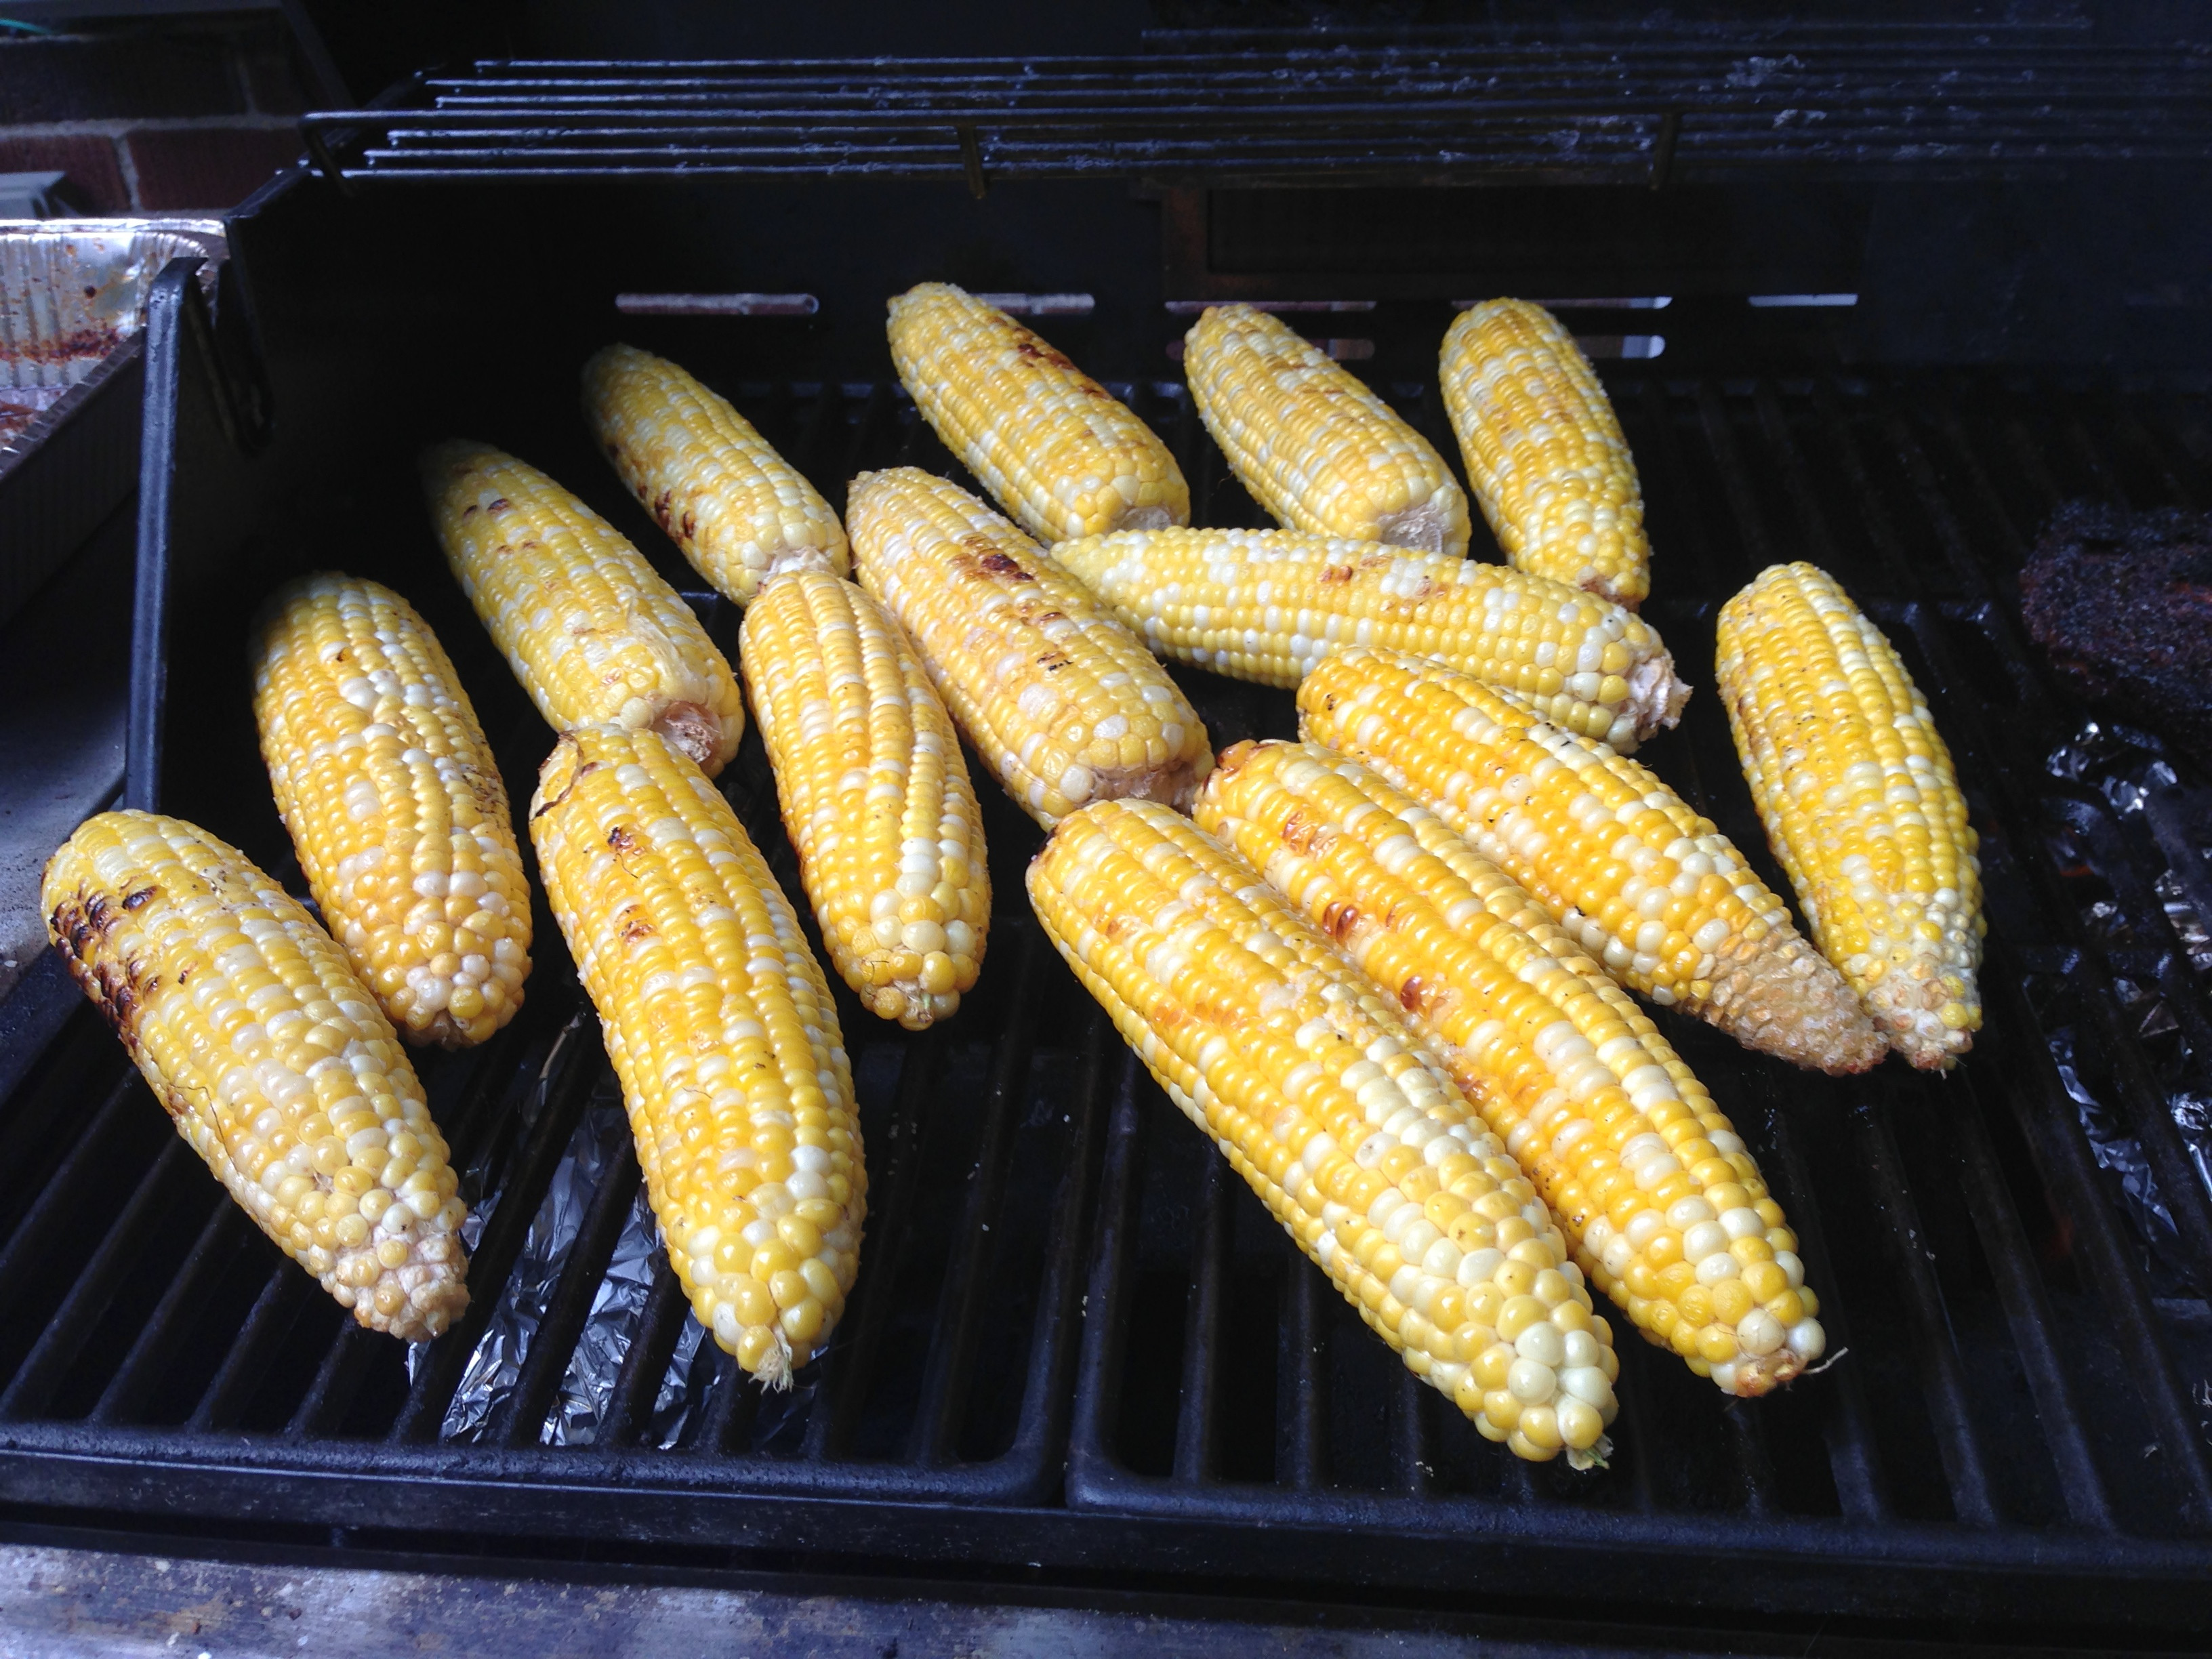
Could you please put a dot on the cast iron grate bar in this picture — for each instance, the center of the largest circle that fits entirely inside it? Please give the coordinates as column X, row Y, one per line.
column 1195, row 1447
column 1638, row 110
column 226, row 1233
column 944, row 1390
column 29, row 1392
column 852, row 1363
column 2027, row 1310
column 637, row 1385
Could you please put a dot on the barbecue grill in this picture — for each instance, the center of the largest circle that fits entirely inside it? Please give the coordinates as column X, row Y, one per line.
column 1080, row 1357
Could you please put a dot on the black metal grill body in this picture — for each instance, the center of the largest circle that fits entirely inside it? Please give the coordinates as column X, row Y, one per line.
column 1079, row 1353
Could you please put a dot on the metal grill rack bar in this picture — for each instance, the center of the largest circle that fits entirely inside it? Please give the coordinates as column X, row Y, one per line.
column 1625, row 108
column 1076, row 1339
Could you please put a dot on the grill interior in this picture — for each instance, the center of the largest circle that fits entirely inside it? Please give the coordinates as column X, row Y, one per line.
column 1078, row 1346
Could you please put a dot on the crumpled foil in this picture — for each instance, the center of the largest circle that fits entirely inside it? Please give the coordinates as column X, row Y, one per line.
column 2117, row 761
column 586, row 1390
column 2116, row 1149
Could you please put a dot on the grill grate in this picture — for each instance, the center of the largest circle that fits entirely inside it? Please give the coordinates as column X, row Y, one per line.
column 1625, row 108
column 1079, row 1343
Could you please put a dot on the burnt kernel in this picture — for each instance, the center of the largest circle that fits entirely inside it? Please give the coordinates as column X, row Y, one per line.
column 622, row 841
column 132, row 900
column 999, row 564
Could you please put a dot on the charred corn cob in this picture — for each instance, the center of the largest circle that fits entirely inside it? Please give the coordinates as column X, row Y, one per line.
column 1338, row 1115
column 1267, row 604
column 1651, row 889
column 271, row 1059
column 396, row 808
column 875, row 794
column 1055, row 448
column 740, row 511
column 1311, row 443
column 590, row 630
column 1544, row 450
column 1861, row 804
column 722, row 1029
column 1659, row 1198
column 1062, row 703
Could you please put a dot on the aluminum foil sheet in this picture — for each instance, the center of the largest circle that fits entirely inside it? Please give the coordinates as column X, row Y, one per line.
column 2127, row 766
column 71, row 290
column 586, row 1390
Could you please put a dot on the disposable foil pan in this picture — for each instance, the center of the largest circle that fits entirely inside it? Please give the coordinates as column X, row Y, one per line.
column 72, row 291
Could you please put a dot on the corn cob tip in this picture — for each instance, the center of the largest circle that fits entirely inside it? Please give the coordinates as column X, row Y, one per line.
column 1784, row 998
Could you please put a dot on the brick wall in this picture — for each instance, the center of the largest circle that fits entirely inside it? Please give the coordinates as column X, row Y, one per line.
column 186, row 116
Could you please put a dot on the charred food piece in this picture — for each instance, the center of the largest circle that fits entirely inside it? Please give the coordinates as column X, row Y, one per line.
column 2123, row 603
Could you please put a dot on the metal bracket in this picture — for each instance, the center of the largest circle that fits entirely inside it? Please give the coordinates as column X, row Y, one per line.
column 971, row 158
column 1662, row 149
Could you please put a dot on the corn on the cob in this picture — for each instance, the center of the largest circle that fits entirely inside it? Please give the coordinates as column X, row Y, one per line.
column 1057, row 450
column 1338, row 1115
column 722, row 1029
column 1063, row 704
column 1267, row 604
column 1544, row 452
column 1311, row 443
column 395, row 806
column 1861, row 804
column 271, row 1059
column 874, row 792
column 740, row 511
column 589, row 628
column 1650, row 889
column 1661, row 1200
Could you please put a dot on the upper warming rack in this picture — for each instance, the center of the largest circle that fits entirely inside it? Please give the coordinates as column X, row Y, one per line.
column 1215, row 106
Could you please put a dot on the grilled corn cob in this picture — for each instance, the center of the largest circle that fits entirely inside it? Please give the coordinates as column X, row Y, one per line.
column 1340, row 1117
column 1544, row 452
column 875, row 794
column 271, row 1059
column 1861, row 804
column 1650, row 889
column 590, row 630
column 1062, row 703
column 1311, row 443
column 740, row 511
column 395, row 807
column 1267, row 604
column 1661, row 1200
column 1059, row 452
column 722, row 1029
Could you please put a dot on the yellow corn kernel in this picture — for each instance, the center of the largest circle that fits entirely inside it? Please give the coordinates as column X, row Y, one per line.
column 395, row 806
column 588, row 627
column 1616, row 1132
column 1063, row 704
column 1054, row 446
column 875, row 794
column 740, row 511
column 1336, row 1113
column 1311, row 443
column 721, row 1030
column 1268, row 605
column 271, row 1058
column 1649, row 887
column 1861, row 804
